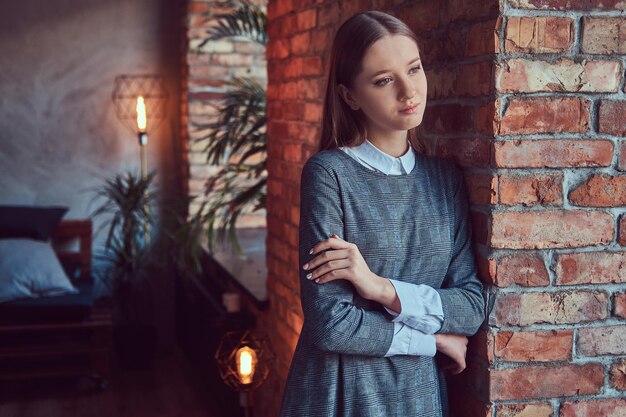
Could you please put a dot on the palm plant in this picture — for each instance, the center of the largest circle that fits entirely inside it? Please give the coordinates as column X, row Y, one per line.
column 237, row 138
column 126, row 204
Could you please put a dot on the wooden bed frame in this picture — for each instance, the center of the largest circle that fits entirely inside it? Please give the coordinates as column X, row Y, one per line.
column 64, row 349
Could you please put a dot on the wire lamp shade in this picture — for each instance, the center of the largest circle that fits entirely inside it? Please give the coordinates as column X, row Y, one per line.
column 239, row 373
column 126, row 91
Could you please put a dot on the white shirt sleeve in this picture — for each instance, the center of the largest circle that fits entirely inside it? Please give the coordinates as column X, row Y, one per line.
column 420, row 307
column 408, row 341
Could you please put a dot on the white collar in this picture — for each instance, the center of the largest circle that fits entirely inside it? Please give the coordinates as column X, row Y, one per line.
column 382, row 161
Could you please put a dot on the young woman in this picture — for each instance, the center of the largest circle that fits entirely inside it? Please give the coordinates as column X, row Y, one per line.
column 387, row 273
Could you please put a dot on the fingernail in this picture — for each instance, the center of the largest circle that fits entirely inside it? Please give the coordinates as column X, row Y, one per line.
column 311, row 252
column 317, row 280
column 305, row 266
column 309, row 275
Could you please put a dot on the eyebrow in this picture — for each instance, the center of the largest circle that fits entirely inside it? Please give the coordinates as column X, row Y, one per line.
column 414, row 60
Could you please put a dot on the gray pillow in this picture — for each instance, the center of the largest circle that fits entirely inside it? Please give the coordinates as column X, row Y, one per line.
column 30, row 269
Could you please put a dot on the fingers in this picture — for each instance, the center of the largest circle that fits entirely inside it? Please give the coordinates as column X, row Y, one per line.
column 333, row 242
column 324, row 258
column 328, row 271
column 329, row 276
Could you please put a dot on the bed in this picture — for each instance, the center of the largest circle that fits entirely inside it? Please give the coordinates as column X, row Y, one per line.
column 65, row 334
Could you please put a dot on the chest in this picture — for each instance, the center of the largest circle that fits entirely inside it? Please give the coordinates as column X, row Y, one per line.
column 402, row 228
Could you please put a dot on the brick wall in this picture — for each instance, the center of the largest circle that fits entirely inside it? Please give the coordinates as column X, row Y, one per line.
column 206, row 69
column 528, row 97
column 557, row 337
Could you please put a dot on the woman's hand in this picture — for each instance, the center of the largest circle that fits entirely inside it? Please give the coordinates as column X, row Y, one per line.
column 343, row 261
column 454, row 347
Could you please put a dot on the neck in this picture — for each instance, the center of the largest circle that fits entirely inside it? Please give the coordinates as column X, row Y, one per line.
column 396, row 145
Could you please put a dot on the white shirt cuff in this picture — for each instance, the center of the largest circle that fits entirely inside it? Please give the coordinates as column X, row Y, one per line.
column 421, row 306
column 408, row 341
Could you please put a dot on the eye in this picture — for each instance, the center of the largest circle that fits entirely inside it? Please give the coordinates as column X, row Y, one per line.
column 382, row 82
column 415, row 69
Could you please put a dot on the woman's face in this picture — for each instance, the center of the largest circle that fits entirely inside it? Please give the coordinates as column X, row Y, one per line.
column 391, row 88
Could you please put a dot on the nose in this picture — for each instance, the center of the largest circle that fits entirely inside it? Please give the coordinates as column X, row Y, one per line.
column 407, row 90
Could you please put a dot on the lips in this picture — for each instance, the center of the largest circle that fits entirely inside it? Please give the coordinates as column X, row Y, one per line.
column 409, row 109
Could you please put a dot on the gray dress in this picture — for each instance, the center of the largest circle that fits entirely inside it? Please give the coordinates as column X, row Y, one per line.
column 413, row 228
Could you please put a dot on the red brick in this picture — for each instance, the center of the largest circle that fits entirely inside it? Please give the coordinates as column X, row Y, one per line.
column 288, row 90
column 482, row 38
column 619, row 305
column 313, row 112
column 545, row 115
column 565, row 307
column 465, row 152
column 524, row 410
column 590, row 268
column 618, row 375
column 292, row 152
column 422, row 16
column 565, row 75
column 540, row 34
column 604, row 35
column 306, row 19
column 553, row 153
column 469, row 9
column 610, row 407
column 329, row 14
column 611, row 118
column 322, row 40
column 441, row 82
column 621, row 162
column 281, row 27
column 293, row 68
column 475, row 79
column 486, row 118
column 292, row 110
column 312, row 66
column 278, row 8
column 299, row 44
column 600, row 190
column 539, row 346
column 550, row 229
column 303, row 132
column 568, row 4
column 546, row 381
column 449, row 118
column 530, row 190
column 596, row 341
column 309, row 89
column 482, row 189
column 526, row 269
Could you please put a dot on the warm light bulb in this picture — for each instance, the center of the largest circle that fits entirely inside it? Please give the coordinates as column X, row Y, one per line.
column 141, row 114
column 246, row 362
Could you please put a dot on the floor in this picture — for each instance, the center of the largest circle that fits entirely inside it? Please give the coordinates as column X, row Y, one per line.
column 168, row 389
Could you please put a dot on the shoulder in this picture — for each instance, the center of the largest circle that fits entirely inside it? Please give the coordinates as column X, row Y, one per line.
column 327, row 162
column 445, row 170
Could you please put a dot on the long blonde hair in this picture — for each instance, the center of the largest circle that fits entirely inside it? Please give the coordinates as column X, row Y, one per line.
column 342, row 126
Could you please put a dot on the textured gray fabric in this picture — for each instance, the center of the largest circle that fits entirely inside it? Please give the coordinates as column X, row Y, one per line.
column 413, row 228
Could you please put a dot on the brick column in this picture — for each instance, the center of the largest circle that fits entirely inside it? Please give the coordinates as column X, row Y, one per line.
column 557, row 339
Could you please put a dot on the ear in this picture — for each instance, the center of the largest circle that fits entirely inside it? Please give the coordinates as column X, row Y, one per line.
column 347, row 96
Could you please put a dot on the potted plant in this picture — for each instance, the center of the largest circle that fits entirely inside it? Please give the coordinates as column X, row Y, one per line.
column 127, row 264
